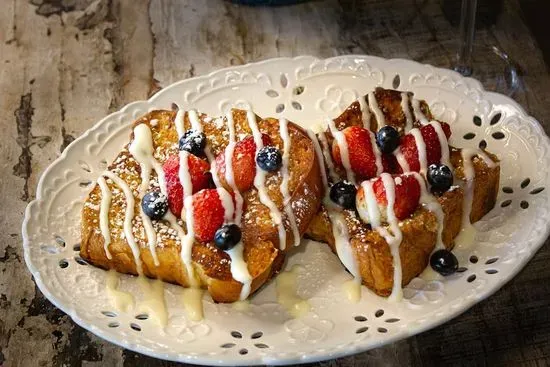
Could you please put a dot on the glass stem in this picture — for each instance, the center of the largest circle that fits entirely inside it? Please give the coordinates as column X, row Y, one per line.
column 466, row 41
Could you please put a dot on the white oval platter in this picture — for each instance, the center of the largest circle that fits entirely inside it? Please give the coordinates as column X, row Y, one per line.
column 303, row 89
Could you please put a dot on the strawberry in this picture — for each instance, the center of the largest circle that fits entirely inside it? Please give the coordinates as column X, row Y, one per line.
column 200, row 178
column 361, row 153
column 407, row 196
column 244, row 163
column 208, row 213
column 431, row 140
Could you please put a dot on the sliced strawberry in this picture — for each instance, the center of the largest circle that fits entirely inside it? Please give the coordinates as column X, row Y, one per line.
column 243, row 162
column 407, row 196
column 431, row 140
column 200, row 178
column 208, row 214
column 361, row 152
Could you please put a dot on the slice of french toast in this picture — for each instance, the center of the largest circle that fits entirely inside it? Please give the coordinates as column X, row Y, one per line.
column 472, row 198
column 265, row 239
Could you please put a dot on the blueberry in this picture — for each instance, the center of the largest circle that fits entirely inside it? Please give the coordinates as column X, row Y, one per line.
column 193, row 142
column 343, row 193
column 154, row 205
column 444, row 262
column 269, row 158
column 440, row 177
column 387, row 139
column 227, row 236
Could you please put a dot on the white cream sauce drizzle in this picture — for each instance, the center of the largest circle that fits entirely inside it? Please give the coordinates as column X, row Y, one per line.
column 192, row 303
column 341, row 239
column 443, row 143
column 401, row 160
column 241, row 306
column 283, row 130
column 238, row 267
column 421, row 149
column 229, row 177
column 352, row 290
column 227, row 203
column 431, row 203
column 344, row 152
column 122, row 301
column 326, row 154
column 142, row 149
column 187, row 214
column 151, row 235
column 128, row 217
column 287, row 292
column 407, row 111
column 339, row 226
column 368, row 210
column 180, row 128
column 259, row 182
column 197, row 126
column 239, row 270
column 377, row 153
column 373, row 104
column 319, row 153
column 365, row 112
column 104, row 215
column 185, row 179
column 467, row 234
column 153, row 302
column 418, row 112
column 393, row 236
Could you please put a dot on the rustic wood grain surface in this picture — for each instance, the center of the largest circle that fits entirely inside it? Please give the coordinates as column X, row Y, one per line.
column 64, row 64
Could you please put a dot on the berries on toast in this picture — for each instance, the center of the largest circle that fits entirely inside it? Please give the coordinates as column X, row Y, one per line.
column 244, row 163
column 200, row 179
column 409, row 147
column 407, row 196
column 362, row 153
column 209, row 213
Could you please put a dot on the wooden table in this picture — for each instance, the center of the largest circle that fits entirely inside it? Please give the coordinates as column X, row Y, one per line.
column 65, row 64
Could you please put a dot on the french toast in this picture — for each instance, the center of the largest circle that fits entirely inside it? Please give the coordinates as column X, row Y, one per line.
column 271, row 219
column 364, row 250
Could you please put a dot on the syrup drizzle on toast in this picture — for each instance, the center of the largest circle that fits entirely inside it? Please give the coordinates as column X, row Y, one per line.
column 467, row 232
column 406, row 111
column 128, row 217
column 283, row 131
column 365, row 112
column 443, row 143
column 431, row 203
column 141, row 149
column 339, row 227
column 238, row 267
column 375, row 108
column 418, row 112
column 259, row 182
column 377, row 154
column 421, row 149
column 344, row 150
column 393, row 236
column 106, row 197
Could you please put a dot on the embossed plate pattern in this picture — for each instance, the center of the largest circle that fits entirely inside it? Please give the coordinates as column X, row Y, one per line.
column 303, row 89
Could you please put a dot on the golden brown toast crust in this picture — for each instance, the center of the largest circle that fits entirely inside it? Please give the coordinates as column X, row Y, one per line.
column 420, row 230
column 260, row 236
column 373, row 253
column 390, row 104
